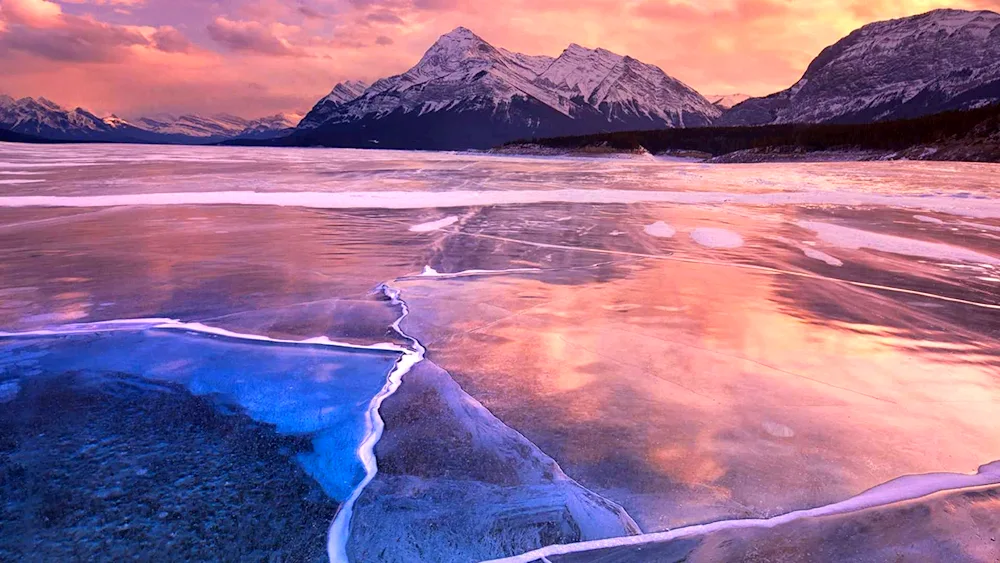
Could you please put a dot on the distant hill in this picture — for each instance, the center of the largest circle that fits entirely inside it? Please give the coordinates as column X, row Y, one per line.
column 726, row 101
column 972, row 135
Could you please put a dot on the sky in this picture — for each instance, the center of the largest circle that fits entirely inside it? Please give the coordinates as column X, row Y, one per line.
column 260, row 57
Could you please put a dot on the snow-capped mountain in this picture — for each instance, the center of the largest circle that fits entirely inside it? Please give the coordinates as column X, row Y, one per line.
column 341, row 94
column 270, row 127
column 193, row 125
column 938, row 61
column 726, row 101
column 46, row 119
column 217, row 127
column 466, row 93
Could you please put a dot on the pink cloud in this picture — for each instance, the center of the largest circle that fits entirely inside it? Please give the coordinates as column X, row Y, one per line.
column 170, row 40
column 250, row 37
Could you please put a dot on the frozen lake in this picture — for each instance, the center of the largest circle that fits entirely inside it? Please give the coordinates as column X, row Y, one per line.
column 397, row 356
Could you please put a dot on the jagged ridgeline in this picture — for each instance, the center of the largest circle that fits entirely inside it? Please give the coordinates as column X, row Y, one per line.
column 465, row 93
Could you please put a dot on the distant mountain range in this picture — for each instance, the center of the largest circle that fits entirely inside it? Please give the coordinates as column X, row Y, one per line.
column 46, row 119
column 465, row 93
column 726, row 101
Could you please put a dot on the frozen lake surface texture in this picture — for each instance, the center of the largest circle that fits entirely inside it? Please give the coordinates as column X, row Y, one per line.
column 213, row 353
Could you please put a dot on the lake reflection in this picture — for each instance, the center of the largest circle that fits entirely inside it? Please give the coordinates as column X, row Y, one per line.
column 691, row 361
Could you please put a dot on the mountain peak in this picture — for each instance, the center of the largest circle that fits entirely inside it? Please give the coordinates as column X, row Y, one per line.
column 726, row 101
column 460, row 32
column 457, row 49
column 576, row 48
column 341, row 94
column 46, row 102
column 461, row 42
column 458, row 39
column 579, row 69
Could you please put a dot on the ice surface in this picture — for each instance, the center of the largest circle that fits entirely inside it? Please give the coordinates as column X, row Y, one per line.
column 473, row 473
column 9, row 391
column 683, row 386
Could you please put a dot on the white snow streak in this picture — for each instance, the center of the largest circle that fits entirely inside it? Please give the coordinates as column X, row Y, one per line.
column 434, row 225
column 979, row 208
column 898, row 490
column 855, row 239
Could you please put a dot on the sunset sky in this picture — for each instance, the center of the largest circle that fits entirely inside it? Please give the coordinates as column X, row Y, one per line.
column 259, row 57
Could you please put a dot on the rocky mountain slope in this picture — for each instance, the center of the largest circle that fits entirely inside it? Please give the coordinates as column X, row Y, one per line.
column 933, row 62
column 466, row 93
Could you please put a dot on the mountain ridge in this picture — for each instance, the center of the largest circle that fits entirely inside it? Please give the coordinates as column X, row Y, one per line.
column 906, row 67
column 502, row 95
column 465, row 93
column 46, row 119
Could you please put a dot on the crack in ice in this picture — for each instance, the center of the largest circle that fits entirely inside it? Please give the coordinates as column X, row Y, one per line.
column 908, row 487
column 340, row 529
